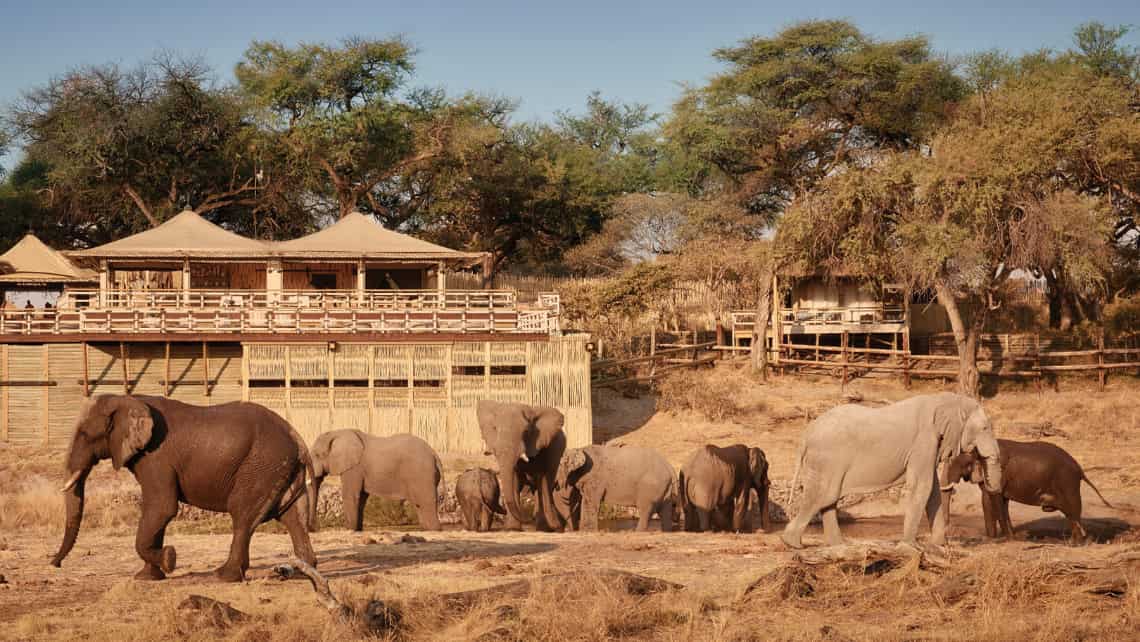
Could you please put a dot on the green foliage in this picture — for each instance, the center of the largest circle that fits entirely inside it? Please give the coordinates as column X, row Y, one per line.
column 1123, row 317
column 819, row 95
column 1098, row 47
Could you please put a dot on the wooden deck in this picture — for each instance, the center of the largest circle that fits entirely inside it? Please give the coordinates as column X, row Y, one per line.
column 114, row 315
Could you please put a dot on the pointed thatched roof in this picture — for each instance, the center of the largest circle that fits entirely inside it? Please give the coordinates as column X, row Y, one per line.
column 30, row 261
column 185, row 235
column 358, row 236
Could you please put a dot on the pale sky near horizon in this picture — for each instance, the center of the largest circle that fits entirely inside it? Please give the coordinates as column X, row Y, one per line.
column 548, row 56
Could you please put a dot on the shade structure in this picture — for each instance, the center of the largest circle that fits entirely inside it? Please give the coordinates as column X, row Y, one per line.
column 186, row 235
column 30, row 261
column 359, row 236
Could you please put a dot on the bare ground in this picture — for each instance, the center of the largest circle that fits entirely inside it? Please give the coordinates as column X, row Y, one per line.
column 1036, row 587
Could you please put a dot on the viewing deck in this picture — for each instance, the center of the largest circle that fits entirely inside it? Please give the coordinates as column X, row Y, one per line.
column 125, row 313
column 864, row 319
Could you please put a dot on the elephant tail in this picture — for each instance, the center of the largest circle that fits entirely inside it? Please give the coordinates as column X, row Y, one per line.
column 1089, row 482
column 440, row 486
column 796, row 475
column 682, row 496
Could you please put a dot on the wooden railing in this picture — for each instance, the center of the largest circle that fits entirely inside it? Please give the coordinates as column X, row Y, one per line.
column 258, row 311
column 663, row 358
column 743, row 322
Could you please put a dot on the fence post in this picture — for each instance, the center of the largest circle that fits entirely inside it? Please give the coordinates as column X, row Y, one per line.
column 843, row 358
column 1101, row 371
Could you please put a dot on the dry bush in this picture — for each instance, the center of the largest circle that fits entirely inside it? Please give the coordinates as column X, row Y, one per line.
column 718, row 395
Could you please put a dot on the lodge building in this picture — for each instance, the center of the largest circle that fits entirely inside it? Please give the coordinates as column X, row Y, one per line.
column 353, row 326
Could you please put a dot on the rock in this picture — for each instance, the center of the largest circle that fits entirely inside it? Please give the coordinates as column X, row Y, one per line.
column 209, row 612
column 403, row 538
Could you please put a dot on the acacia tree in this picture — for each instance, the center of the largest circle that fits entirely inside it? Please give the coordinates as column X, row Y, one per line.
column 153, row 140
column 799, row 106
column 344, row 117
column 958, row 220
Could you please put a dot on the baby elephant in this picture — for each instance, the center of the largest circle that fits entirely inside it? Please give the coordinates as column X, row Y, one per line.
column 1036, row 473
column 477, row 491
column 623, row 476
column 718, row 482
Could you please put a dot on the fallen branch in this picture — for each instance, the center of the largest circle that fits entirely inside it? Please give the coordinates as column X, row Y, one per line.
column 870, row 553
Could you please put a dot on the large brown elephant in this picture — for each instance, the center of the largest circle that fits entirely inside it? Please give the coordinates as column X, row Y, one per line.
column 397, row 467
column 237, row 458
column 622, row 476
column 718, row 482
column 528, row 441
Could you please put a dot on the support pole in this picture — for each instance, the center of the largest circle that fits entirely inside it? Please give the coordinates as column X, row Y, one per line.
column 205, row 369
column 126, row 375
column 166, row 376
column 86, row 377
column 843, row 356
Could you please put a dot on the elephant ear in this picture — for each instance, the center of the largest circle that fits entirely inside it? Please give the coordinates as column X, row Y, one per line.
column 571, row 462
column 131, row 426
column 949, row 421
column 345, row 452
column 548, row 422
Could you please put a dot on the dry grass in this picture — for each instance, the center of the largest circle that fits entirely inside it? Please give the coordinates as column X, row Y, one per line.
column 992, row 591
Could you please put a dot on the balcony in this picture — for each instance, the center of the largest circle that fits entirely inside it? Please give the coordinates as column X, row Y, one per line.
column 296, row 312
column 870, row 319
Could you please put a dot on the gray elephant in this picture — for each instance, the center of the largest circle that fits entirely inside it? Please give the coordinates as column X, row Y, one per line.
column 855, row 449
column 1036, row 473
column 623, row 476
column 528, row 442
column 398, row 467
column 477, row 491
column 716, row 485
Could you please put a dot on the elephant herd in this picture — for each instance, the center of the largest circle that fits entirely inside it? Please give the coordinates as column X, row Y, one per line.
column 243, row 459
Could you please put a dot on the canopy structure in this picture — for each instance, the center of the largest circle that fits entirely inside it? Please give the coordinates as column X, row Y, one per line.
column 30, row 261
column 187, row 235
column 357, row 236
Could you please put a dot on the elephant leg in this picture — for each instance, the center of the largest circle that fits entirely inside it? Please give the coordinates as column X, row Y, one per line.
column 644, row 514
column 353, row 499
column 831, row 533
column 692, row 524
column 704, row 519
column 665, row 514
column 591, row 504
column 158, row 560
column 1003, row 516
column 937, row 513
column 920, row 480
column 427, row 509
column 294, row 522
column 238, row 561
column 990, row 512
column 740, row 513
column 485, row 517
column 817, row 496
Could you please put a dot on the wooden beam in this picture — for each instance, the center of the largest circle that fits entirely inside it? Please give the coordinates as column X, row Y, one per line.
column 4, row 394
column 86, row 377
column 166, row 372
column 206, row 368
column 281, row 337
column 126, row 374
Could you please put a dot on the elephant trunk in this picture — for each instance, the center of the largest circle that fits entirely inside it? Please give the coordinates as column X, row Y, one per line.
column 511, row 489
column 991, row 456
column 73, row 503
column 315, row 494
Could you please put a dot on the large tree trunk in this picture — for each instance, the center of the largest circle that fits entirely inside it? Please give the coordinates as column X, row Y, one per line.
column 763, row 320
column 966, row 339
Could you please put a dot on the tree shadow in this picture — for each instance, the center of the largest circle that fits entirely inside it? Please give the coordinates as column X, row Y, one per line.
column 1100, row 529
column 616, row 414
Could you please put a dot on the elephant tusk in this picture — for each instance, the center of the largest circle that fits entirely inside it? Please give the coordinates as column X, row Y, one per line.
column 71, row 482
column 948, row 488
column 524, row 458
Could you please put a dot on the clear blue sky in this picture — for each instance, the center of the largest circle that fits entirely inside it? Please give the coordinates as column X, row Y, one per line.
column 548, row 55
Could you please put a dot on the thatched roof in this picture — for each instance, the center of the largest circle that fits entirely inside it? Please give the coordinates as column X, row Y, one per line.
column 30, row 261
column 358, row 236
column 355, row 236
column 187, row 235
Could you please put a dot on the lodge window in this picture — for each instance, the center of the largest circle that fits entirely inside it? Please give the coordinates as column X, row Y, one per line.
column 468, row 371
column 508, row 370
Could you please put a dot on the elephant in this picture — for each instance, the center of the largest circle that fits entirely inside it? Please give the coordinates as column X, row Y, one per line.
column 477, row 491
column 528, row 442
column 238, row 458
column 855, row 449
column 718, row 482
column 1036, row 473
column 398, row 467
column 567, row 501
column 620, row 475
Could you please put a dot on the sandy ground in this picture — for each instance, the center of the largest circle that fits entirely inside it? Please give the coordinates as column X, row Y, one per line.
column 94, row 597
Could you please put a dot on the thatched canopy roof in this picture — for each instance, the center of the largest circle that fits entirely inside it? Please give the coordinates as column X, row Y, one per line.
column 30, row 261
column 360, row 237
column 187, row 235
